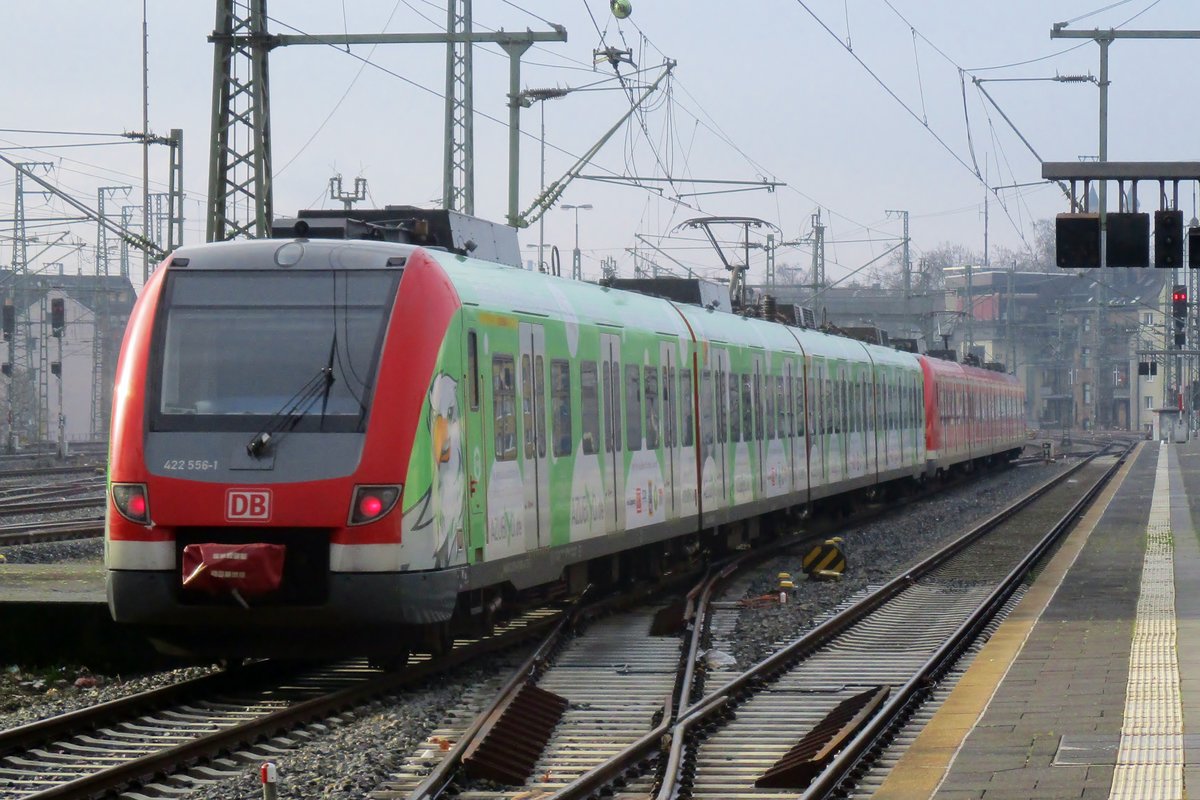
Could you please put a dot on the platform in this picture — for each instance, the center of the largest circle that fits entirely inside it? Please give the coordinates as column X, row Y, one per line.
column 1091, row 688
column 57, row 613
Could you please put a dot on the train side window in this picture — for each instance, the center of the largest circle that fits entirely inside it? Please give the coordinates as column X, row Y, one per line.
column 758, row 407
column 722, row 408
column 589, row 408
column 868, row 403
column 539, row 388
column 687, row 399
column 798, row 421
column 780, row 408
column 783, row 388
column 633, row 407
column 504, row 402
column 611, row 435
column 706, row 413
column 735, row 407
column 473, row 369
column 769, row 406
column 527, row 403
column 560, row 406
column 670, row 409
column 747, row 408
column 651, row 386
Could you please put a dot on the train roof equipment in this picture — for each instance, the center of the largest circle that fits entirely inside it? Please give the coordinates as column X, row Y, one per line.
column 439, row 228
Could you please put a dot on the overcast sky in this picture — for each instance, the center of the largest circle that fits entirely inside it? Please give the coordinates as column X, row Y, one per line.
column 762, row 90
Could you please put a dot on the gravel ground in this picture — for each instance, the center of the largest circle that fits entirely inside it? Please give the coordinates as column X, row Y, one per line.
column 28, row 695
column 55, row 552
column 875, row 553
column 351, row 759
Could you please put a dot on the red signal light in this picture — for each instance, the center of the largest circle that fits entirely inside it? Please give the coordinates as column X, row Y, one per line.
column 1179, row 296
column 372, row 502
column 131, row 502
column 370, row 506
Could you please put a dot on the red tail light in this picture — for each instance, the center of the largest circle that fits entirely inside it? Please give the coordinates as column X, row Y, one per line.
column 131, row 502
column 372, row 502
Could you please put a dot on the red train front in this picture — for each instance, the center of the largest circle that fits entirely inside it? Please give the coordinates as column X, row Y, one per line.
column 254, row 417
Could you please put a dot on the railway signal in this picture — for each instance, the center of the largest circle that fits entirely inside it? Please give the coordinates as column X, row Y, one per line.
column 1168, row 239
column 58, row 316
column 1179, row 309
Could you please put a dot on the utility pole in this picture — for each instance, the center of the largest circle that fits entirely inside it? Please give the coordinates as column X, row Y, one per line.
column 101, row 318
column 21, row 397
column 817, row 240
column 907, row 267
column 239, row 183
column 770, row 277
column 458, row 170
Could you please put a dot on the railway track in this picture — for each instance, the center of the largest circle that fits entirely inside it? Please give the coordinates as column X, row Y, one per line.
column 138, row 740
column 41, row 532
column 803, row 722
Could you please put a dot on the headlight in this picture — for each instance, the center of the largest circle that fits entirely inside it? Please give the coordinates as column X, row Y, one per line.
column 373, row 502
column 132, row 502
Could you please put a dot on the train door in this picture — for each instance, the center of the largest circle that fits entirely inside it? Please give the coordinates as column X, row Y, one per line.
column 476, row 448
column 670, row 439
column 533, row 406
column 612, row 382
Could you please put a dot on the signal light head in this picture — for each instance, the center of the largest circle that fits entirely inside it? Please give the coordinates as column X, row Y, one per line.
column 371, row 503
column 131, row 502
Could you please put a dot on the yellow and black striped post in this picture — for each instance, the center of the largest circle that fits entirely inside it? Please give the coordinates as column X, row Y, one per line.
column 826, row 561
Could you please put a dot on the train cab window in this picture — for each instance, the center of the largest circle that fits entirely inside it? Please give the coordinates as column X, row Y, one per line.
column 735, row 407
column 504, row 407
column 651, row 386
column 589, row 407
column 687, row 399
column 473, row 370
column 560, row 406
column 205, row 378
column 633, row 407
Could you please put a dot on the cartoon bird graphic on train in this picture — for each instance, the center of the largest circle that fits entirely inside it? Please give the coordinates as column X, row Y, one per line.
column 436, row 515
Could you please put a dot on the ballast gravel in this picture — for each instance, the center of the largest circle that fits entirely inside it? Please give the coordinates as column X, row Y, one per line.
column 91, row 550
column 875, row 552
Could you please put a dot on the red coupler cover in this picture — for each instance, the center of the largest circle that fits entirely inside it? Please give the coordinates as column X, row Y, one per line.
column 251, row 569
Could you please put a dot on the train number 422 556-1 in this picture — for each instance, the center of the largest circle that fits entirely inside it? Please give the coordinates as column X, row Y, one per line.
column 189, row 464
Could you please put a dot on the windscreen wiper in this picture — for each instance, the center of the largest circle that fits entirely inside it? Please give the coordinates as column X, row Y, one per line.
column 292, row 411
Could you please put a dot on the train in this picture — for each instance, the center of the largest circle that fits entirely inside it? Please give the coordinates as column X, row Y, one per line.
column 366, row 438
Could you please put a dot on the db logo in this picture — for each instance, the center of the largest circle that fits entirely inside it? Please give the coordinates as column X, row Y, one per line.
column 252, row 505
